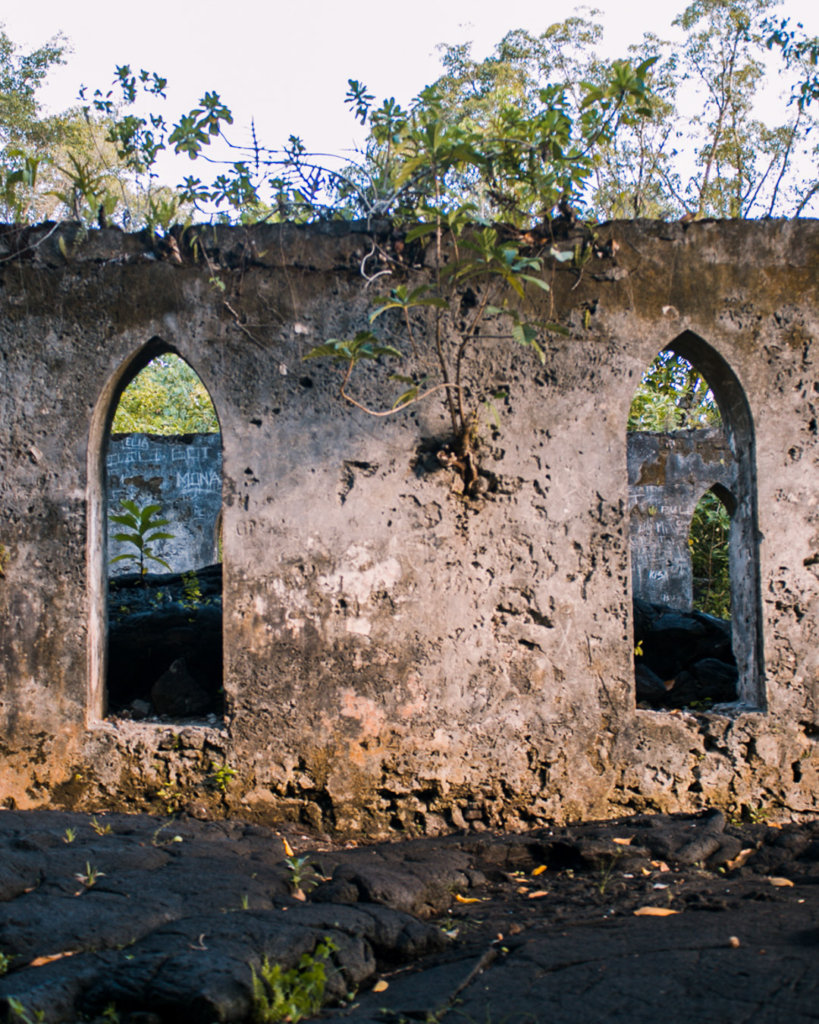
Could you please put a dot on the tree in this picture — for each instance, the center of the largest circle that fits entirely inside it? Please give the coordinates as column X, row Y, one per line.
column 696, row 148
column 663, row 157
column 625, row 181
column 24, row 131
column 708, row 542
column 167, row 397
column 429, row 168
column 801, row 54
column 67, row 164
column 741, row 163
column 673, row 395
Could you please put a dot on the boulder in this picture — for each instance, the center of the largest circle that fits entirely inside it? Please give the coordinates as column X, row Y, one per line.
column 158, row 621
column 686, row 657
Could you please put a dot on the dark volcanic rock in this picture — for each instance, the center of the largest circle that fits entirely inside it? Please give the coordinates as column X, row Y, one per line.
column 158, row 621
column 686, row 657
column 177, row 693
column 168, row 921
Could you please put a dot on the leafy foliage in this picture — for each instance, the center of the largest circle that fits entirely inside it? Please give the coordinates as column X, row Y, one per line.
column 143, row 531
column 708, row 541
column 471, row 173
column 166, row 397
column 24, row 132
column 423, row 168
column 66, row 164
column 291, row 995
column 673, row 395
column 673, row 130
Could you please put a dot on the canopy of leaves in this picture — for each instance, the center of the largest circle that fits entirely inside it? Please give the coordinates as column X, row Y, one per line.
column 24, row 131
column 708, row 541
column 167, row 397
column 673, row 395
column 672, row 130
column 698, row 145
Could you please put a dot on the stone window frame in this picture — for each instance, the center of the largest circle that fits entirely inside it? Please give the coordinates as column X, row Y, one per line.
column 726, row 497
column 96, row 710
column 744, row 536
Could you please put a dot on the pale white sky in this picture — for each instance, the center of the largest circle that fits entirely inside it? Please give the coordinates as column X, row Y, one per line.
column 287, row 64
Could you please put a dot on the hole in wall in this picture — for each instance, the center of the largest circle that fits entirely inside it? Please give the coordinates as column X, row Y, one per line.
column 692, row 505
column 162, row 504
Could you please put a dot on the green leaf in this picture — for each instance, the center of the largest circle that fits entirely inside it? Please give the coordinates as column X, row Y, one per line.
column 131, row 506
column 420, row 231
column 536, row 281
column 127, row 538
column 147, row 512
column 328, row 349
column 125, row 520
column 524, row 334
column 408, row 396
column 159, row 535
column 161, row 561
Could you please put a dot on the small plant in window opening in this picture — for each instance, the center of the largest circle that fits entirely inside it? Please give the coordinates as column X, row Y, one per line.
column 144, row 530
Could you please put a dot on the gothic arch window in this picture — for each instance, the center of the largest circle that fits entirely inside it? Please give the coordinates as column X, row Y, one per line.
column 156, row 630
column 692, row 468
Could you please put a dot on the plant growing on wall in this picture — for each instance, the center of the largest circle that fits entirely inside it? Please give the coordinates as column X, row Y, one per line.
column 144, row 529
column 424, row 169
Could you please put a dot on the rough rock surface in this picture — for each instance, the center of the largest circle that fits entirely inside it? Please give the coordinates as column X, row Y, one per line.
column 685, row 658
column 165, row 642
column 396, row 657
column 165, row 920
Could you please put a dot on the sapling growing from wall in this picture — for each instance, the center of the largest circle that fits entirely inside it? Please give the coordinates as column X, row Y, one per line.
column 423, row 168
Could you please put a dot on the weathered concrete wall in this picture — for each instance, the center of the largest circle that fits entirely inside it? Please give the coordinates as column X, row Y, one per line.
column 667, row 476
column 395, row 658
column 184, row 476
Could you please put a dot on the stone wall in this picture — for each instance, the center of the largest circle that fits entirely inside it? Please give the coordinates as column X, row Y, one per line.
column 395, row 657
column 181, row 474
column 667, row 476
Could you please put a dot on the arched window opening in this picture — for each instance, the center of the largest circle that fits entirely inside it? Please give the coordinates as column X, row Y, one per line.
column 692, row 506
column 162, row 501
column 673, row 395
column 708, row 540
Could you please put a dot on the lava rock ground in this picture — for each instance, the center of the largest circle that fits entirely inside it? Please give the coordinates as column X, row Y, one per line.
column 146, row 920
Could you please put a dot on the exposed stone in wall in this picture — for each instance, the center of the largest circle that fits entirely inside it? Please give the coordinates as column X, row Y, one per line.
column 667, row 476
column 184, row 476
column 394, row 657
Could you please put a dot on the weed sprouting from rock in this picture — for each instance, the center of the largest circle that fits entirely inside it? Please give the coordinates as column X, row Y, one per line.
column 291, row 995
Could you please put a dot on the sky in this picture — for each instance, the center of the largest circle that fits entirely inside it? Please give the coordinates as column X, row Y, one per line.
column 286, row 65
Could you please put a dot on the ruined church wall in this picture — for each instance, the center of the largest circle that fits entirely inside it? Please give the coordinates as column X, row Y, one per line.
column 394, row 657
